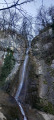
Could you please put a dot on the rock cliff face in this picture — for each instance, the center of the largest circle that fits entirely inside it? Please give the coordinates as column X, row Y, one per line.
column 39, row 78
column 12, row 42
column 43, row 51
column 40, row 93
column 12, row 50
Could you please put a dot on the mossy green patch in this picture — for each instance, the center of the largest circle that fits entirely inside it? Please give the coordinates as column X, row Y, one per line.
column 45, row 106
column 45, row 82
column 52, row 72
column 48, row 60
column 49, row 108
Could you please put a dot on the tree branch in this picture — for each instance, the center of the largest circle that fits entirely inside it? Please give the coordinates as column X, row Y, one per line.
column 16, row 4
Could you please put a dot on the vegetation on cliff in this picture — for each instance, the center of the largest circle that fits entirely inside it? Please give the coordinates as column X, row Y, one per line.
column 7, row 67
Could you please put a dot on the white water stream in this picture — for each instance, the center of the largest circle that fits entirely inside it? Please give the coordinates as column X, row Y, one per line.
column 21, row 83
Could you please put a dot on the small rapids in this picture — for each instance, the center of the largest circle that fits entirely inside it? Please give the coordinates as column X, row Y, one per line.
column 22, row 78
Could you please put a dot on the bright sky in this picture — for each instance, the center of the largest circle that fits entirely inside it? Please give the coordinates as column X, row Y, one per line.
column 32, row 7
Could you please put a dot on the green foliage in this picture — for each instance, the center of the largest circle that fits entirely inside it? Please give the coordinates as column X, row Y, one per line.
column 8, row 65
column 52, row 27
column 52, row 72
column 45, row 82
column 40, row 105
column 49, row 108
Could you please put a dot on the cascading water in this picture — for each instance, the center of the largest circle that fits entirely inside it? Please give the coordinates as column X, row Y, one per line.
column 22, row 81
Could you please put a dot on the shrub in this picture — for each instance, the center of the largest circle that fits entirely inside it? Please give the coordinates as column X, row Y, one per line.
column 8, row 65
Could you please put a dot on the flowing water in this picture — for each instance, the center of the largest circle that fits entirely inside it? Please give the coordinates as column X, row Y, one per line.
column 22, row 78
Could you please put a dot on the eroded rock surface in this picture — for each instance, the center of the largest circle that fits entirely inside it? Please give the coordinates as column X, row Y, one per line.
column 40, row 92
column 16, row 44
column 43, row 52
column 9, row 109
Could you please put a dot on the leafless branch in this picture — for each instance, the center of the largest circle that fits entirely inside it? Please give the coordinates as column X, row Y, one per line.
column 15, row 4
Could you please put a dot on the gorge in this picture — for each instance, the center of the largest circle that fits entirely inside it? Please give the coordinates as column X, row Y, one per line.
column 22, row 79
column 28, row 91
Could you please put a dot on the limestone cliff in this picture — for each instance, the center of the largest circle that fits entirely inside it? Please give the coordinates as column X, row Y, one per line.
column 43, row 52
column 40, row 92
column 12, row 52
column 12, row 43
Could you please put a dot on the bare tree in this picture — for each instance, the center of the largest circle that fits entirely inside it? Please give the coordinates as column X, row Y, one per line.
column 44, row 18
column 51, row 14
column 14, row 4
column 9, row 20
column 13, row 21
column 14, row 9
column 26, row 27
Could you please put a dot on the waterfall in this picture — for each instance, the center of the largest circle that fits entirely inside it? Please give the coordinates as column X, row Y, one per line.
column 21, row 83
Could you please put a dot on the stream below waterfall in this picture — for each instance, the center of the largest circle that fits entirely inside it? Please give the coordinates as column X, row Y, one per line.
column 22, row 80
